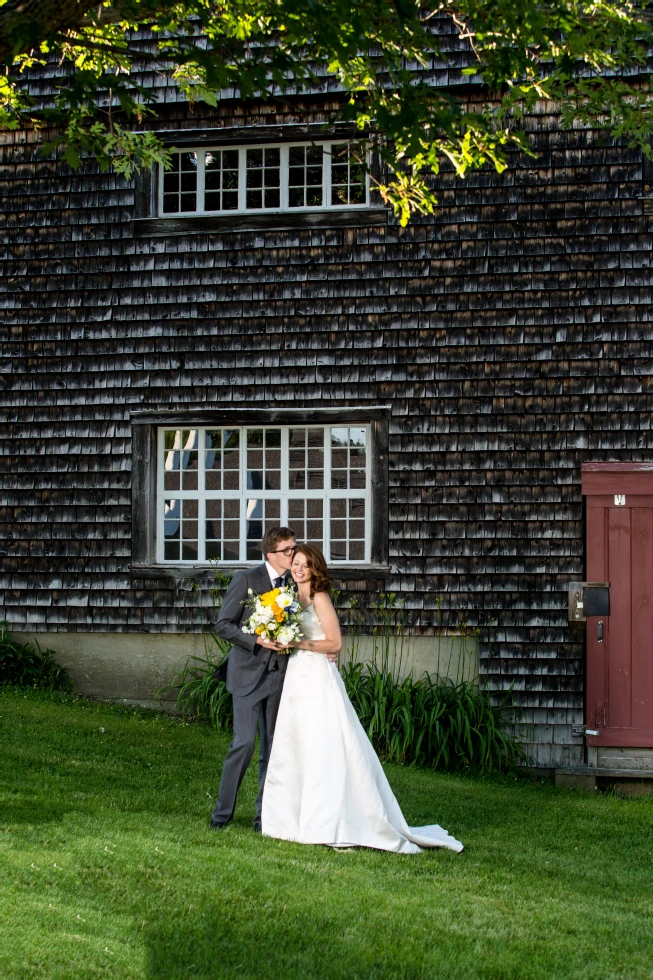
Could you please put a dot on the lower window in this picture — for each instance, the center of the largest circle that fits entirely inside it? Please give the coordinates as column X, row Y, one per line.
column 219, row 488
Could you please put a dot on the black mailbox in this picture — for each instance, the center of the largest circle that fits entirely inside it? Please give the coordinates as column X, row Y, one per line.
column 596, row 601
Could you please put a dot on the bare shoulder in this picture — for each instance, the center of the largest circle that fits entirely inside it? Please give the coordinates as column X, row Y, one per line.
column 322, row 600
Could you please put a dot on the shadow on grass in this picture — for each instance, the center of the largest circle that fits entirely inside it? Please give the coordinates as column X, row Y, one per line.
column 222, row 942
column 26, row 811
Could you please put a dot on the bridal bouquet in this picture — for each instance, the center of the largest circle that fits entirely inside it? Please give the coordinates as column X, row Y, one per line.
column 275, row 615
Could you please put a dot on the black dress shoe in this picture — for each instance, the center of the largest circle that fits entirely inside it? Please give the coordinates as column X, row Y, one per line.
column 219, row 824
column 257, row 827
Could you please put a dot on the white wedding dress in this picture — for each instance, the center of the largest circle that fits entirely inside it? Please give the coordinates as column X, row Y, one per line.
column 325, row 784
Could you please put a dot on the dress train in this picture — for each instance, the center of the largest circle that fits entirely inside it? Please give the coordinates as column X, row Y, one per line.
column 325, row 784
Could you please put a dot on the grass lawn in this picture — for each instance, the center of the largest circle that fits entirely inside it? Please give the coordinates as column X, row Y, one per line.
column 109, row 869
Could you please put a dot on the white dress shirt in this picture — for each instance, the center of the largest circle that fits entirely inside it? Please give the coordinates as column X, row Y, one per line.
column 273, row 575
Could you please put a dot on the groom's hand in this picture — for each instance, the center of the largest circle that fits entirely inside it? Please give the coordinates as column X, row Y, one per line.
column 269, row 644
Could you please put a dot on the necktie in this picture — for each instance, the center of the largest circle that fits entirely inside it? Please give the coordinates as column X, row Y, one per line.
column 278, row 582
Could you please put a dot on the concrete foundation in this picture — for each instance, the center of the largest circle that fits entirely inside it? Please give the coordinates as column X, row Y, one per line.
column 133, row 666
column 120, row 666
column 448, row 656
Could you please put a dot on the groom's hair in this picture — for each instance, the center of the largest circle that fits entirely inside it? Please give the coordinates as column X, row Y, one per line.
column 272, row 538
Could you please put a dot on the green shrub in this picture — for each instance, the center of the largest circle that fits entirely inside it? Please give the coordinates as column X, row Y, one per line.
column 199, row 696
column 441, row 724
column 438, row 724
column 202, row 697
column 27, row 664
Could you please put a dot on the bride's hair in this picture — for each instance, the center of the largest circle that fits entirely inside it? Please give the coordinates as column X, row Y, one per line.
column 320, row 581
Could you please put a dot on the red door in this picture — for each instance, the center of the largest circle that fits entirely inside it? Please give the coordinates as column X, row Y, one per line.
column 619, row 499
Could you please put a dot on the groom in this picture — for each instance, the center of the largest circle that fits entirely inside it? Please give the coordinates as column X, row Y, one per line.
column 255, row 673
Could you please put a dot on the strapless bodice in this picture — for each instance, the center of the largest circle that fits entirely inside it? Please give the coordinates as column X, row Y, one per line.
column 311, row 625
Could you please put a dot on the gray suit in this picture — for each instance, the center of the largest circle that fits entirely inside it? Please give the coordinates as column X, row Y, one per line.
column 255, row 678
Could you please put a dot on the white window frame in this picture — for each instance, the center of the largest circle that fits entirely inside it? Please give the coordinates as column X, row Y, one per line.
column 243, row 494
column 242, row 190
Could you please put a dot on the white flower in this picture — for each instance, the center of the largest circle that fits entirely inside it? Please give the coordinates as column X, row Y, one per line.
column 284, row 600
column 285, row 635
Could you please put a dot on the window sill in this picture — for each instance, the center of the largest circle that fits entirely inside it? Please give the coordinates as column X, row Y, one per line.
column 286, row 221
column 182, row 573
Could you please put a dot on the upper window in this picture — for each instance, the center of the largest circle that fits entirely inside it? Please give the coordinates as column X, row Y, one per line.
column 221, row 488
column 265, row 178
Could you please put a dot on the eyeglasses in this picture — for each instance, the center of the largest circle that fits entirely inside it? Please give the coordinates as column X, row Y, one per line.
column 284, row 551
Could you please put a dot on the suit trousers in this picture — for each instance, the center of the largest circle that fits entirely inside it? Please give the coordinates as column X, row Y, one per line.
column 259, row 707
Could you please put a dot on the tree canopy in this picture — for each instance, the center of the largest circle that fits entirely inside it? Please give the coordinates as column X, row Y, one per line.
column 590, row 58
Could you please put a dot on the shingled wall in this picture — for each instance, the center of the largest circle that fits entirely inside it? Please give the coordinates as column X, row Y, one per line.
column 510, row 333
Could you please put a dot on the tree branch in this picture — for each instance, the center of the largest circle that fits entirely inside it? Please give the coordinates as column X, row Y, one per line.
column 25, row 23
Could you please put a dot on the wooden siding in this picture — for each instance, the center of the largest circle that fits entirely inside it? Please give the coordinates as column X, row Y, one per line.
column 510, row 333
column 443, row 69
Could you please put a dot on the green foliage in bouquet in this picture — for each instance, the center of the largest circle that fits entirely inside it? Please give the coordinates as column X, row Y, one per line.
column 27, row 664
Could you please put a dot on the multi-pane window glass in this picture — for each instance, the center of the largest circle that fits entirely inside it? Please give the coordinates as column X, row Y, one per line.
column 263, row 459
column 306, row 518
column 221, row 180
column 222, row 460
column 348, row 182
column 180, row 529
column 348, row 458
column 181, row 460
column 180, row 183
column 222, row 487
column 261, row 515
column 306, row 459
column 347, row 529
column 305, row 177
column 265, row 178
column 223, row 529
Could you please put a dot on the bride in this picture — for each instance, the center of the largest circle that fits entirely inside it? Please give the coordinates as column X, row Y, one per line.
column 325, row 784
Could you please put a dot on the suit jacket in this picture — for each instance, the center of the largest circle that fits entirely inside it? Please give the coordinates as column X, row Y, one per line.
column 247, row 660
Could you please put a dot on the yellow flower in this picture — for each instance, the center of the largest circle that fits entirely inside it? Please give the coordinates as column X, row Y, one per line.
column 268, row 597
column 259, row 630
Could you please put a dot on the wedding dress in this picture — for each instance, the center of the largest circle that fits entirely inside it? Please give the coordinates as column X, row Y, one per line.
column 325, row 784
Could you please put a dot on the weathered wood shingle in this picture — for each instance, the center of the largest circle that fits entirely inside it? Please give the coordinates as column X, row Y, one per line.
column 510, row 333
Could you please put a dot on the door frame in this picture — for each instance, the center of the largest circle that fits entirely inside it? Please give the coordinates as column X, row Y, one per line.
column 601, row 483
